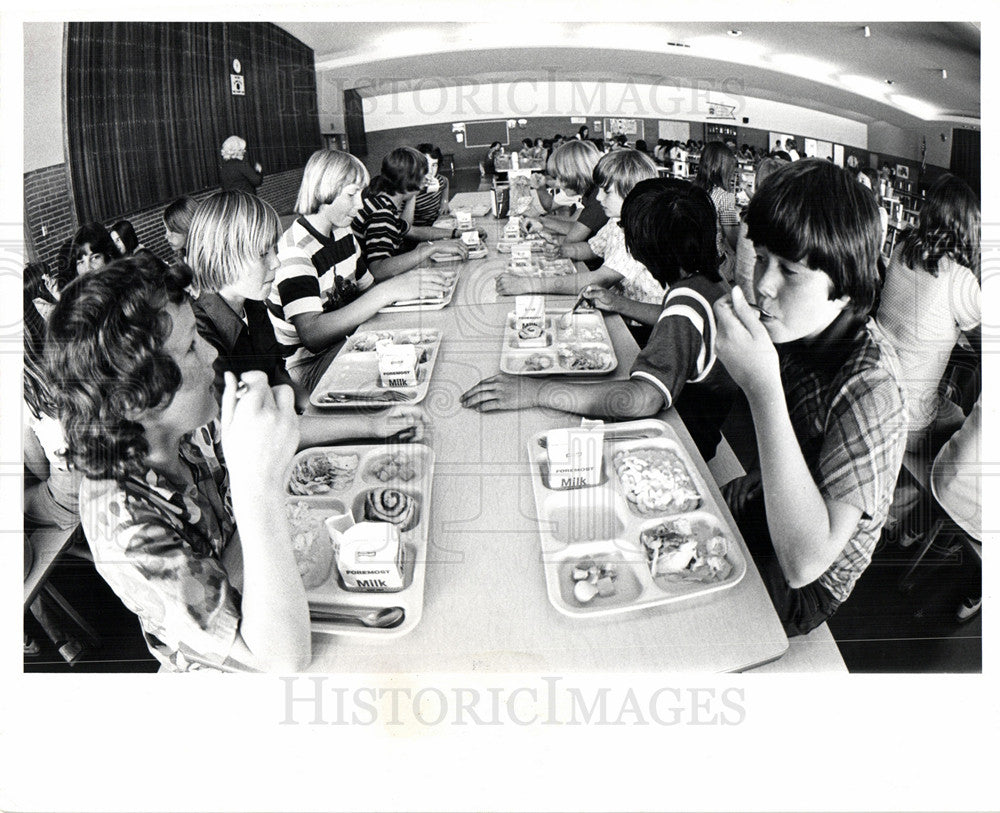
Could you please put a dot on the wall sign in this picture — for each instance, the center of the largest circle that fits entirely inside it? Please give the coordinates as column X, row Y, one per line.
column 236, row 84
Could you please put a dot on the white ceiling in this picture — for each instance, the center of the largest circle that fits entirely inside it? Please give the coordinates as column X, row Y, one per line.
column 830, row 67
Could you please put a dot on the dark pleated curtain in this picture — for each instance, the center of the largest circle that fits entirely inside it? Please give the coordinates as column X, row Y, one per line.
column 149, row 104
column 965, row 156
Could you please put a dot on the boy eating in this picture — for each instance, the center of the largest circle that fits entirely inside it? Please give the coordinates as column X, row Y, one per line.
column 823, row 389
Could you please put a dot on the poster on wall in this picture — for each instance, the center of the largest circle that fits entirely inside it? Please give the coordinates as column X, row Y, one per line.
column 627, row 127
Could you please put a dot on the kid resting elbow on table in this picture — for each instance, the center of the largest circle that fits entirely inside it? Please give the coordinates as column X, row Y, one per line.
column 615, row 175
column 169, row 479
column 669, row 225
column 823, row 388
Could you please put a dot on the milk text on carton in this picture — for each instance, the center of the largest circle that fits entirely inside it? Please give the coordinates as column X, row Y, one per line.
column 370, row 556
column 463, row 219
column 575, row 457
column 512, row 228
column 397, row 364
column 470, row 238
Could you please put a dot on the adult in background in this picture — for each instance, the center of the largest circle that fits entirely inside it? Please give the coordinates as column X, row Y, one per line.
column 717, row 176
column 235, row 172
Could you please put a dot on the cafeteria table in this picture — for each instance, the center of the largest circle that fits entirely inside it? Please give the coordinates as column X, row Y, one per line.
column 485, row 603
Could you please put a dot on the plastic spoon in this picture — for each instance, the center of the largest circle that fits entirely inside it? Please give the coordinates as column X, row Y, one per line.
column 384, row 618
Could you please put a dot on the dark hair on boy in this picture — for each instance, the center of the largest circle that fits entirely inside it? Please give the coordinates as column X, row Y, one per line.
column 669, row 227
column 106, row 360
column 716, row 167
column 177, row 216
column 95, row 236
column 403, row 170
column 814, row 212
column 948, row 226
column 429, row 149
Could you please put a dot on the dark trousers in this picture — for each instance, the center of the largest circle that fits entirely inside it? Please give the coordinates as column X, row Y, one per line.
column 800, row 609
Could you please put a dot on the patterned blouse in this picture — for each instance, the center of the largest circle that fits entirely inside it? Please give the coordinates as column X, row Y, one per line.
column 160, row 549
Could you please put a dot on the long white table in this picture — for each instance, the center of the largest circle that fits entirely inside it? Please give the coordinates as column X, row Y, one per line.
column 485, row 603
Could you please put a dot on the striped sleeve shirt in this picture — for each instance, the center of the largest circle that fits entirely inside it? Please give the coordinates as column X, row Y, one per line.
column 317, row 273
column 378, row 227
column 681, row 348
column 428, row 205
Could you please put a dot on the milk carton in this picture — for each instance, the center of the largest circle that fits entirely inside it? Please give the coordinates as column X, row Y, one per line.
column 529, row 320
column 512, row 228
column 471, row 238
column 370, row 557
column 463, row 219
column 575, row 456
column 520, row 257
column 397, row 364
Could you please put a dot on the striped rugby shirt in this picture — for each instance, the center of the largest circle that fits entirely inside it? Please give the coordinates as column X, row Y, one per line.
column 680, row 355
column 317, row 274
column 428, row 205
column 378, row 227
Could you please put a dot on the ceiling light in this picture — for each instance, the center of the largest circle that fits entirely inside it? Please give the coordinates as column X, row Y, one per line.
column 868, row 31
column 944, row 73
column 734, row 32
column 888, row 81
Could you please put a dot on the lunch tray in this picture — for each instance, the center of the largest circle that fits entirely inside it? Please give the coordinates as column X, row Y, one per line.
column 348, row 494
column 540, row 267
column 355, row 372
column 598, row 524
column 585, row 332
column 504, row 245
column 431, row 303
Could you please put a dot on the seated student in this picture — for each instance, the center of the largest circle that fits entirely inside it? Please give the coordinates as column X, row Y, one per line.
column 231, row 248
column 670, row 226
column 540, row 150
column 92, row 248
column 322, row 289
column 527, row 148
column 932, row 294
column 571, row 166
column 176, row 222
column 125, row 239
column 614, row 177
column 432, row 199
column 382, row 222
column 823, row 388
column 717, row 176
column 160, row 507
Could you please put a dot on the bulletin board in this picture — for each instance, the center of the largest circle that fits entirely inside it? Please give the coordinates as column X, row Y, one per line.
column 674, row 130
column 484, row 133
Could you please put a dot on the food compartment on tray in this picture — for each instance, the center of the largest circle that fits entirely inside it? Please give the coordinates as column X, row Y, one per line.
column 585, row 356
column 598, row 582
column 401, row 507
column 322, row 471
column 655, row 477
column 581, row 515
column 392, row 467
column 694, row 549
column 529, row 362
column 582, row 327
column 364, row 341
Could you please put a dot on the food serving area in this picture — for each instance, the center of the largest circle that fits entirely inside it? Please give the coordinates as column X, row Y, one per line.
column 485, row 604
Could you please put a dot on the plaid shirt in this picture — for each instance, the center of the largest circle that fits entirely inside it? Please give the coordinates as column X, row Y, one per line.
column 847, row 409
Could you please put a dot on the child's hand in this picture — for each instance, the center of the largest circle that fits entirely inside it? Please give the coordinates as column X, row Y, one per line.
column 447, row 247
column 551, row 237
column 601, row 298
column 509, row 285
column 405, row 422
column 532, row 224
column 420, row 283
column 745, row 348
column 502, row 392
column 482, row 235
column 740, row 492
column 260, row 432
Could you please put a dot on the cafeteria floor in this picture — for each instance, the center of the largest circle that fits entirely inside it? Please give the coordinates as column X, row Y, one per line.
column 877, row 630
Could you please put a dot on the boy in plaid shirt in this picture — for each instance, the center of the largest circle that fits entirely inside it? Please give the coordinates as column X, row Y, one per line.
column 823, row 388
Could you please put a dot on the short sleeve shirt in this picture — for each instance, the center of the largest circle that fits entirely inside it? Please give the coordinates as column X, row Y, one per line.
column 850, row 421
column 637, row 282
column 160, row 549
column 428, row 205
column 317, row 274
column 378, row 227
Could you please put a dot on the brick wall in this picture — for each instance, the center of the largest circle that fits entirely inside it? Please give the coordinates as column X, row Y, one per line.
column 47, row 206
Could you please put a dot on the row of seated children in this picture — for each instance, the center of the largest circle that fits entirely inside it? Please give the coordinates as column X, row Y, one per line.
column 827, row 392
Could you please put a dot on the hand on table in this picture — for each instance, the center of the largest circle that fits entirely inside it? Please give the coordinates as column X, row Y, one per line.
column 405, row 422
column 551, row 237
column 510, row 285
column 260, row 431
column 533, row 224
column 744, row 346
column 447, row 247
column 483, row 234
column 420, row 283
column 501, row 392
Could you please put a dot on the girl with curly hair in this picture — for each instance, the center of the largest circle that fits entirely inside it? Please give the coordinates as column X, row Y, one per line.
column 168, row 478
